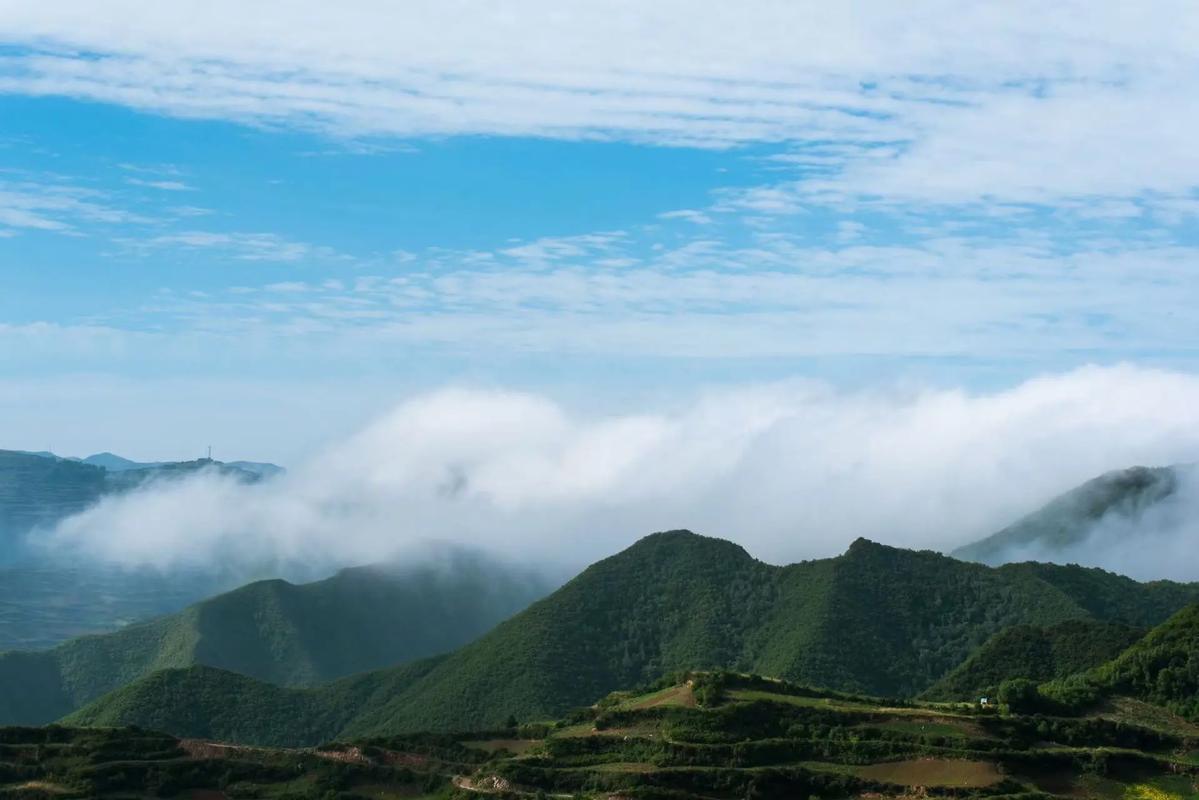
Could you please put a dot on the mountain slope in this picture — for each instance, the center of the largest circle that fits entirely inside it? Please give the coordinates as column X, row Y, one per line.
column 876, row 620
column 36, row 490
column 211, row 703
column 1069, row 518
column 1162, row 669
column 292, row 635
column 1039, row 654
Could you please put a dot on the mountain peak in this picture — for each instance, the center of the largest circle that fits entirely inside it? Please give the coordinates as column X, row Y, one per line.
column 684, row 541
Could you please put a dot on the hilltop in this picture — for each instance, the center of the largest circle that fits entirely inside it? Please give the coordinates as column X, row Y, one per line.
column 292, row 635
column 876, row 620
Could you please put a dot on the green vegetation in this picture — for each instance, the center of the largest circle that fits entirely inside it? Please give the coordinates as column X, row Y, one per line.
column 1035, row 653
column 1161, row 669
column 877, row 620
column 749, row 739
column 1069, row 518
column 290, row 635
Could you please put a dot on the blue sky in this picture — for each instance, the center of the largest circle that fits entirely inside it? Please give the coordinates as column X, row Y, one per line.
column 261, row 227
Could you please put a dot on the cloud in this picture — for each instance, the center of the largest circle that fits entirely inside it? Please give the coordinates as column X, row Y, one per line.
column 162, row 185
column 790, row 470
column 928, row 100
column 776, row 296
column 55, row 207
column 241, row 246
column 1149, row 544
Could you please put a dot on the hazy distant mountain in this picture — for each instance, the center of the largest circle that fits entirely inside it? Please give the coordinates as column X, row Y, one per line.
column 44, row 605
column 115, row 463
column 877, row 619
column 40, row 489
column 293, row 635
column 1124, row 496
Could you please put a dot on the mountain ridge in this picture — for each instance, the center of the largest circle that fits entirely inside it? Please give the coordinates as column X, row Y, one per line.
column 877, row 620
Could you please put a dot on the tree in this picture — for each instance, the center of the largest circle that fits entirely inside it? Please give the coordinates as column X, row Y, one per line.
column 1020, row 695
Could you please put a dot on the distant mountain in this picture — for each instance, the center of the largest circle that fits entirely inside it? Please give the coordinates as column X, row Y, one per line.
column 261, row 468
column 1069, row 519
column 293, row 635
column 42, row 606
column 877, row 620
column 115, row 463
column 40, row 489
column 1036, row 653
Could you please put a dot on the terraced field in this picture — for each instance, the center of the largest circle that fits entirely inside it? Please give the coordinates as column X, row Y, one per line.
column 749, row 738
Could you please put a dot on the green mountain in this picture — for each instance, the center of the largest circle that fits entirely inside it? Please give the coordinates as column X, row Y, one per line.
column 1036, row 653
column 291, row 635
column 1068, row 519
column 696, row 735
column 1161, row 669
column 211, row 703
column 876, row 620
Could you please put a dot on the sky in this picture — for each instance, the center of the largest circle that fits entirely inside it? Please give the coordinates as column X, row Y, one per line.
column 267, row 227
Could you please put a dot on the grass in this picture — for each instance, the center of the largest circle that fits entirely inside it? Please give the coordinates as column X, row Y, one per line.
column 1137, row 712
column 670, row 696
column 751, row 695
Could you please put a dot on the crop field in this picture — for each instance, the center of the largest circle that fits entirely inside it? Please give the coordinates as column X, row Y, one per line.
column 930, row 772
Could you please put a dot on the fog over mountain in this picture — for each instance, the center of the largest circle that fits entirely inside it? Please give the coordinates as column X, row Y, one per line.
column 790, row 470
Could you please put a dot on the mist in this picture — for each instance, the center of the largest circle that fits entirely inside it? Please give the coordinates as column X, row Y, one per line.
column 1156, row 542
column 790, row 470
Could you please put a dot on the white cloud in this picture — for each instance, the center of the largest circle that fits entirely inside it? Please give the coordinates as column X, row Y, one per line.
column 241, row 246
column 1020, row 101
column 162, row 185
column 55, row 207
column 790, row 470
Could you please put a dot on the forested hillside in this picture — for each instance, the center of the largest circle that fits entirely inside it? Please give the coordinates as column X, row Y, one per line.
column 877, row 620
column 1036, row 653
column 292, row 635
column 1162, row 669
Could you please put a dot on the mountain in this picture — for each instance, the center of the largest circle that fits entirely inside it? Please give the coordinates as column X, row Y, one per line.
column 877, row 620
column 40, row 489
column 210, row 703
column 1069, row 519
column 36, row 490
column 292, row 635
column 1162, row 669
column 114, row 463
column 698, row 735
column 1036, row 653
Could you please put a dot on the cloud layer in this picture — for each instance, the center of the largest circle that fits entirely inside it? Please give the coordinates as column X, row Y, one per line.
column 931, row 99
column 789, row 470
